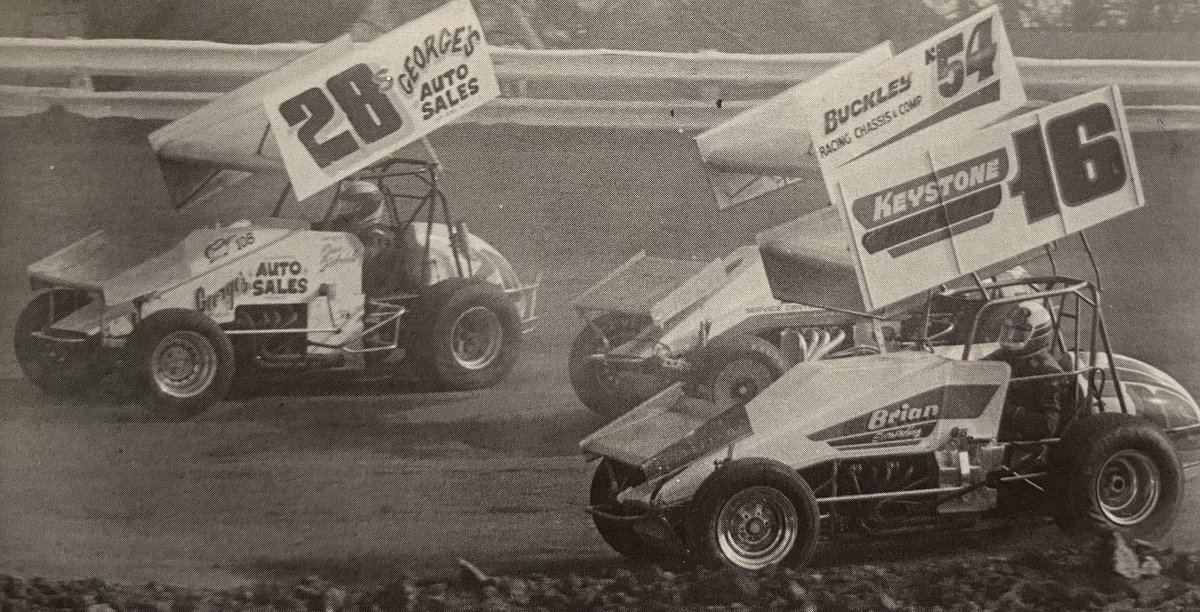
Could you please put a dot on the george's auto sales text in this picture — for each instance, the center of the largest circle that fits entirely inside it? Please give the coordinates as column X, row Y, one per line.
column 444, row 89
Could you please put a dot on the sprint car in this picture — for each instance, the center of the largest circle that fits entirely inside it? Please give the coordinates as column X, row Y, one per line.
column 921, row 435
column 717, row 328
column 898, row 441
column 654, row 321
column 412, row 293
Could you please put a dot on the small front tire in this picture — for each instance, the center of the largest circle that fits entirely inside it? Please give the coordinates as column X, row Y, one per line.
column 183, row 359
column 609, row 480
column 606, row 389
column 57, row 368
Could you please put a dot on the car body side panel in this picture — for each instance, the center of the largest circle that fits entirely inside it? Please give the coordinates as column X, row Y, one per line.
column 877, row 405
column 743, row 290
column 1154, row 394
column 289, row 267
column 207, row 251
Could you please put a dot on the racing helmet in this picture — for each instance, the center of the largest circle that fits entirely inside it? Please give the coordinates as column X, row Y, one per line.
column 1026, row 329
column 359, row 203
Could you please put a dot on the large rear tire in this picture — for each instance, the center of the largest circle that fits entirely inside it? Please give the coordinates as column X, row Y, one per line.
column 183, row 359
column 1115, row 472
column 734, row 368
column 605, row 389
column 752, row 514
column 466, row 334
column 57, row 368
column 609, row 479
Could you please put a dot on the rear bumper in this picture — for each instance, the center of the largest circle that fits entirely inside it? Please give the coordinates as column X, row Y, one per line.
column 526, row 299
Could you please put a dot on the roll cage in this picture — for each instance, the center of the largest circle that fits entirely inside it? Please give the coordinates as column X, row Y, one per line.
column 1079, row 331
column 408, row 180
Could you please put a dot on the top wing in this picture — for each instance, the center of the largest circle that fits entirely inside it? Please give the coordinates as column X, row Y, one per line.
column 925, row 213
column 229, row 138
column 359, row 109
column 768, row 147
column 772, row 138
column 977, row 187
column 334, row 111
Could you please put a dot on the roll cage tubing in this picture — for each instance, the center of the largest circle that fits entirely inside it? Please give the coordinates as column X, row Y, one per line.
column 429, row 202
column 1052, row 288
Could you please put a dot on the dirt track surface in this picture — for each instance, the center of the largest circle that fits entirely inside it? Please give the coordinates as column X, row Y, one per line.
column 1109, row 576
column 358, row 482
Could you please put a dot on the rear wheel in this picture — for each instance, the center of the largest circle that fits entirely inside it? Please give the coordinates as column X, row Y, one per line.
column 609, row 480
column 184, row 360
column 734, row 368
column 58, row 368
column 467, row 334
column 1116, row 472
column 752, row 514
column 607, row 389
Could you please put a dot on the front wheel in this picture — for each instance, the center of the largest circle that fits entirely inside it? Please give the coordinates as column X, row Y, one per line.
column 1115, row 472
column 184, row 360
column 753, row 514
column 608, row 389
column 56, row 367
column 467, row 334
column 608, row 481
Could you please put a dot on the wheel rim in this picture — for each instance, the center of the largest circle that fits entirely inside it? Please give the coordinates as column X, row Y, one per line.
column 757, row 527
column 1128, row 487
column 476, row 338
column 741, row 381
column 184, row 364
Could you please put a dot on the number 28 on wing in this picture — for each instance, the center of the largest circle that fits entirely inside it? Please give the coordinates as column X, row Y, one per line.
column 357, row 110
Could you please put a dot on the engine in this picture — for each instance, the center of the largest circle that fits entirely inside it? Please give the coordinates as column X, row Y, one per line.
column 890, row 476
column 962, row 463
column 265, row 347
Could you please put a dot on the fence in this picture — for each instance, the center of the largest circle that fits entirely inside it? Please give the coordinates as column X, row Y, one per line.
column 585, row 88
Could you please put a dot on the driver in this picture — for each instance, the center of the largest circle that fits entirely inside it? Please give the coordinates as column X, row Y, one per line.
column 360, row 204
column 1032, row 408
column 361, row 210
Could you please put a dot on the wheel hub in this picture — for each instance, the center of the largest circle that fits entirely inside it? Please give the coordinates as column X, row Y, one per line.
column 757, row 527
column 184, row 364
column 178, row 363
column 477, row 338
column 740, row 381
column 1128, row 487
column 744, row 390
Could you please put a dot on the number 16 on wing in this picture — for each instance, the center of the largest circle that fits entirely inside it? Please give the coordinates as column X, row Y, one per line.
column 930, row 211
column 355, row 111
